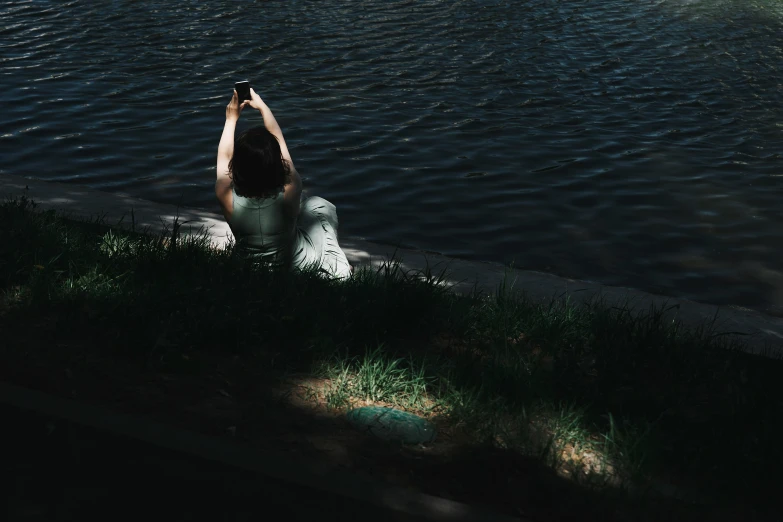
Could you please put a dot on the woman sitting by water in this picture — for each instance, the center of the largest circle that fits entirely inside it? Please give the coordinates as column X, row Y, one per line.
column 260, row 191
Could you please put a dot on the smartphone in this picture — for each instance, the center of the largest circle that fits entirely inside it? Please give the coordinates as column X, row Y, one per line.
column 243, row 90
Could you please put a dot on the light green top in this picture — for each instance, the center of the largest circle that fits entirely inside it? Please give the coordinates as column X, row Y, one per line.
column 262, row 228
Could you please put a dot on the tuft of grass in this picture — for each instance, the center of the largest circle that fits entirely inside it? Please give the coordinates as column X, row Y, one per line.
column 375, row 378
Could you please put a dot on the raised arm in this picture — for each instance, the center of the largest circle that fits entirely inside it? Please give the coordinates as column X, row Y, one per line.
column 293, row 190
column 225, row 153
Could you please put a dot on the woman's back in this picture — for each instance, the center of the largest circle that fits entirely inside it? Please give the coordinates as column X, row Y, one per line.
column 262, row 227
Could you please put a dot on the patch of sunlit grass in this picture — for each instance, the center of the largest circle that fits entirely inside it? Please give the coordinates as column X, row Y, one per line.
column 375, row 378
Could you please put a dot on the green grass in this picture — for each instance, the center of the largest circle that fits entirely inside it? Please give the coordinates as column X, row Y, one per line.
column 375, row 377
column 630, row 396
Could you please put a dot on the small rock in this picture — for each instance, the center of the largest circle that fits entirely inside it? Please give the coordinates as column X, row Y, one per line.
column 392, row 424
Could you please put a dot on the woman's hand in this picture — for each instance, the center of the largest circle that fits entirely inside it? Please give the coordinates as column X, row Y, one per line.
column 255, row 100
column 234, row 108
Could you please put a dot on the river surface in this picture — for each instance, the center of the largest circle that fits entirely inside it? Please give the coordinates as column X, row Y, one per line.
column 633, row 142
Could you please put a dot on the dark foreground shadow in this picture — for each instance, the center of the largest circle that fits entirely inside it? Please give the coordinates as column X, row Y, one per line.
column 61, row 470
column 65, row 471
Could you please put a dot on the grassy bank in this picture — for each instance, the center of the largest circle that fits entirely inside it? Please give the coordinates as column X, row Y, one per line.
column 629, row 405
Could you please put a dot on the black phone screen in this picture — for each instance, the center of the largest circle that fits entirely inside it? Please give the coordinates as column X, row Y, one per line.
column 243, row 90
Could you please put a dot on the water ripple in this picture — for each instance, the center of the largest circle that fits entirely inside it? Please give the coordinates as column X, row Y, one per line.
column 634, row 143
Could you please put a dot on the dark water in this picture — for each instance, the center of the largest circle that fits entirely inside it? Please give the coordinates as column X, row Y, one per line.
column 633, row 142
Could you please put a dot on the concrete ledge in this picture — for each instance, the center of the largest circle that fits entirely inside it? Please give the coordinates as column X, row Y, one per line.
column 301, row 475
column 763, row 334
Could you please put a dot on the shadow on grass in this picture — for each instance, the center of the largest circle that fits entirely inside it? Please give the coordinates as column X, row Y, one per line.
column 613, row 411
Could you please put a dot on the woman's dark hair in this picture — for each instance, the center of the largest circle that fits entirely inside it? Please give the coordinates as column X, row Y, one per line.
column 257, row 167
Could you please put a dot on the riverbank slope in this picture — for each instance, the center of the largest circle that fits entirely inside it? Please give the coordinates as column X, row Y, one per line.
column 760, row 333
